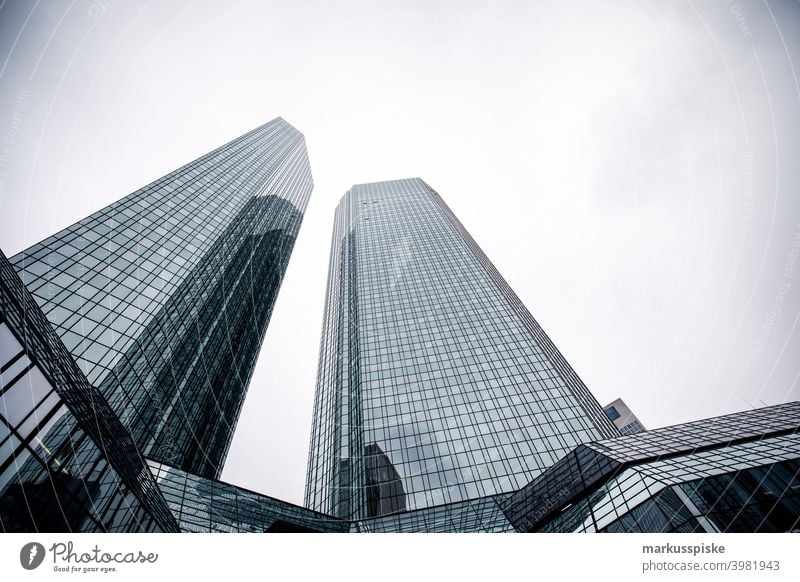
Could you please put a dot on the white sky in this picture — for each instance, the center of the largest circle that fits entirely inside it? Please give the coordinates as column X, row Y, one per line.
column 630, row 167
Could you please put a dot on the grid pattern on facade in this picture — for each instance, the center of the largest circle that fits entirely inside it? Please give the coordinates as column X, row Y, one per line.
column 193, row 362
column 427, row 354
column 759, row 499
column 66, row 462
column 749, row 487
column 601, row 482
column 695, row 435
column 207, row 505
column 163, row 297
column 328, row 473
column 482, row 515
column 634, row 427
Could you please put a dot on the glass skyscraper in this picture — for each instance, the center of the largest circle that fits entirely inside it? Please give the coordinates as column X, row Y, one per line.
column 163, row 297
column 435, row 384
column 127, row 342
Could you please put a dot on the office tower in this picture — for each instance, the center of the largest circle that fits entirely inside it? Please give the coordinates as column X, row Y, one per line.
column 441, row 405
column 163, row 298
column 733, row 473
column 622, row 417
column 435, row 384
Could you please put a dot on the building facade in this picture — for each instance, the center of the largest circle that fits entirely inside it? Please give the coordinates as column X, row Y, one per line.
column 436, row 386
column 202, row 505
column 67, row 464
column 163, row 298
column 734, row 473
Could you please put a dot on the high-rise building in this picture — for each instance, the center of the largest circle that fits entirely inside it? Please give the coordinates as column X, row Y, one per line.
column 623, row 418
column 441, row 404
column 163, row 298
column 435, row 384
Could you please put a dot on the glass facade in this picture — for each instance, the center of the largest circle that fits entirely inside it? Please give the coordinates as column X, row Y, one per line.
column 758, row 499
column 632, row 428
column 435, row 384
column 482, row 515
column 66, row 462
column 735, row 473
column 207, row 505
column 163, row 298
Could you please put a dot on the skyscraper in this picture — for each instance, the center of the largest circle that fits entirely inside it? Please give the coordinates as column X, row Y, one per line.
column 441, row 405
column 163, row 298
column 623, row 418
column 435, row 384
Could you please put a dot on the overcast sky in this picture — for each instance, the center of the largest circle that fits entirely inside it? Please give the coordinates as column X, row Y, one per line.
column 631, row 168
